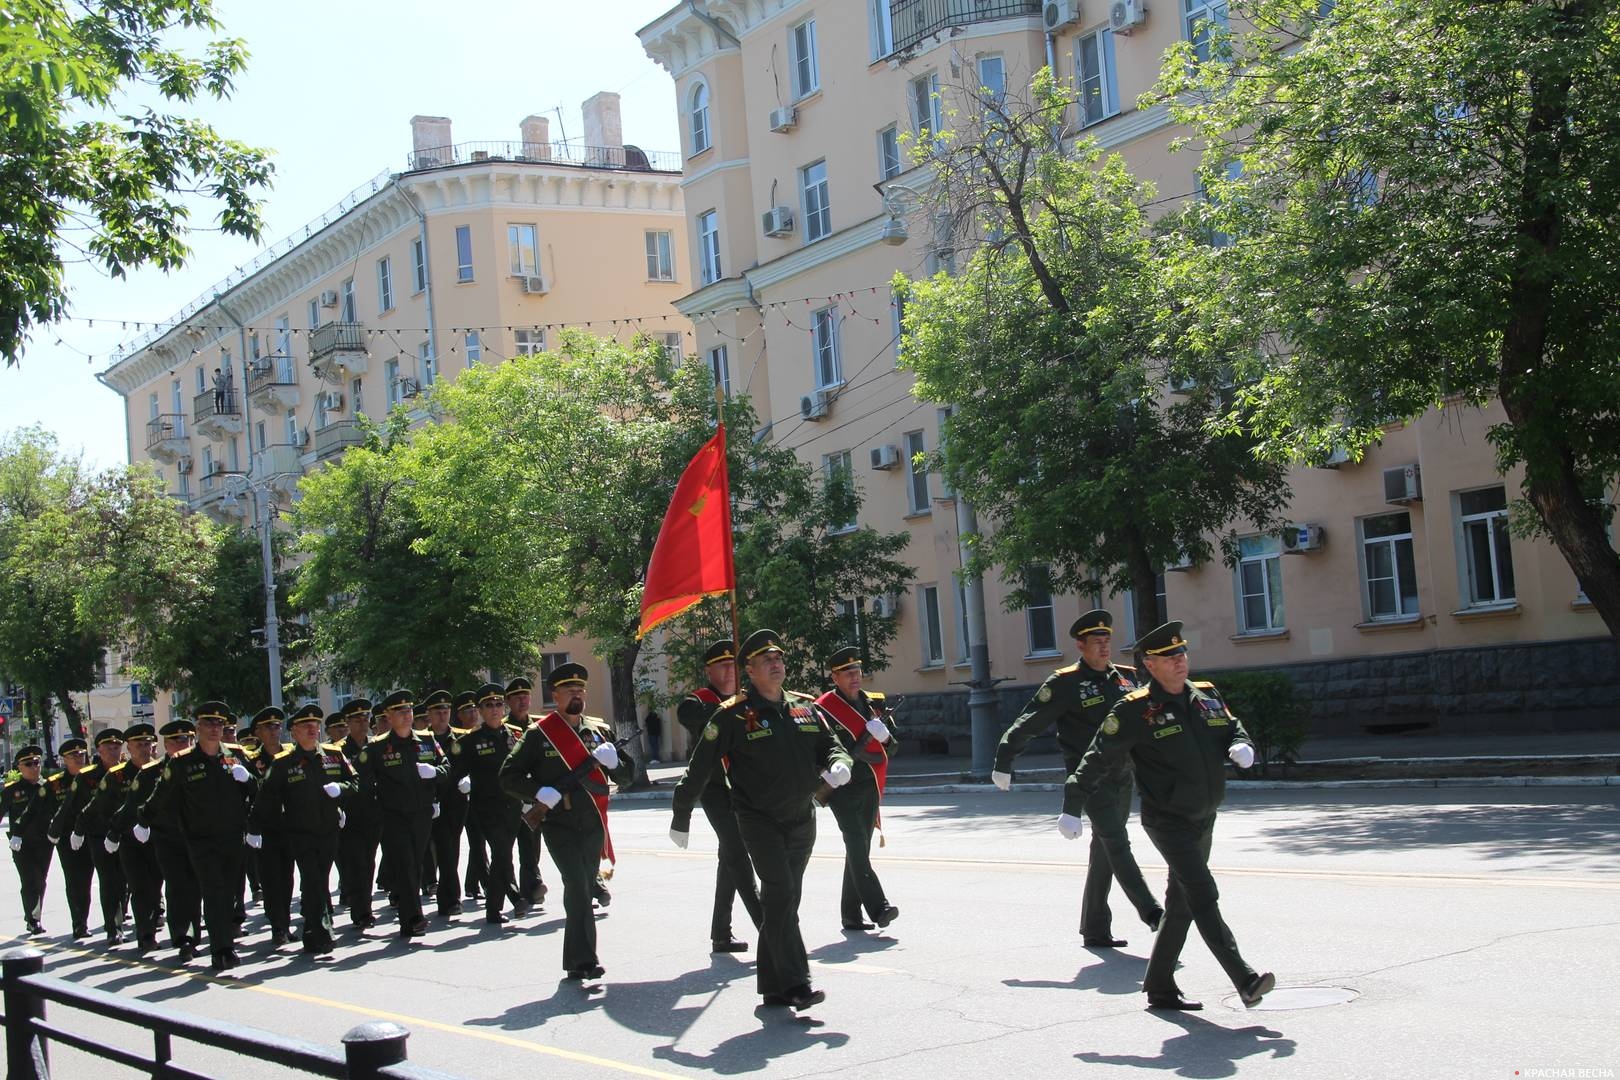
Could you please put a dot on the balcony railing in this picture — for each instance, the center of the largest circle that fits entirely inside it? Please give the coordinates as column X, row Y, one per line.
column 215, row 403
column 336, row 337
column 628, row 158
column 914, row 20
column 336, row 437
column 161, row 429
column 271, row 371
column 278, row 460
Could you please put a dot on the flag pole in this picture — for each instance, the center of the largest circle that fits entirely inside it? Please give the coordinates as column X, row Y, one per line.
column 720, row 415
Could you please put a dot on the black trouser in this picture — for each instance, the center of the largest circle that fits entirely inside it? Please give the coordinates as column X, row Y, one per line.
column 78, row 869
column 733, row 873
column 477, row 862
column 404, row 848
column 110, row 884
column 357, row 848
column 1192, row 897
column 1109, row 809
column 275, row 861
column 182, row 895
column 447, row 853
column 145, row 879
column 576, row 848
column 313, row 853
column 856, row 809
column 217, row 863
column 33, row 864
column 780, row 851
column 528, row 859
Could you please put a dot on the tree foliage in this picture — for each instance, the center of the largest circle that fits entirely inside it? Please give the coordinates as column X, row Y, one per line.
column 88, row 175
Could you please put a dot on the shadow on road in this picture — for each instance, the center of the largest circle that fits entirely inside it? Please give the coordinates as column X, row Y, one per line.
column 1489, row 831
column 780, row 1033
column 1121, row 974
column 1203, row 1050
column 648, row 1007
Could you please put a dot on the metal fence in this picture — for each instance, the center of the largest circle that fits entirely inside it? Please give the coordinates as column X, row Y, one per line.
column 629, row 158
column 913, row 20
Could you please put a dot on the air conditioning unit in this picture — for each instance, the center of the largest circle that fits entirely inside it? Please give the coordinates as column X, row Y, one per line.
column 332, row 401
column 409, row 388
column 184, row 465
column 329, row 298
column 1126, row 15
column 784, row 119
column 1297, row 539
column 1339, row 455
column 1403, row 484
column 534, row 285
column 303, row 437
column 1182, row 384
column 885, row 457
column 1056, row 13
column 1181, row 566
column 884, row 606
column 777, row 221
column 814, row 406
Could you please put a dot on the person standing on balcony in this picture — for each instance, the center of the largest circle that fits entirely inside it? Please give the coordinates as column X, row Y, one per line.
column 221, row 388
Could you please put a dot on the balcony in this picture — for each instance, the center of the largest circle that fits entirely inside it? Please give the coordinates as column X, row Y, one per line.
column 574, row 155
column 336, row 437
column 217, row 414
column 279, row 467
column 915, row 20
column 221, row 498
column 273, row 384
column 167, row 437
column 337, row 351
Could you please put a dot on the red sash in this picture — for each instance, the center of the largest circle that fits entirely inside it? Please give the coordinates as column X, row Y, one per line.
column 841, row 711
column 566, row 741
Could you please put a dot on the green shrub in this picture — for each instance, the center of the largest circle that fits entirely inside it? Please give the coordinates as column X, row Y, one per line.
column 1272, row 713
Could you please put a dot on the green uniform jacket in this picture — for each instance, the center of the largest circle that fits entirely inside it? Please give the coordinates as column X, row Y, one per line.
column 534, row 763
column 41, row 813
column 198, row 796
column 70, row 815
column 450, row 797
column 15, row 801
column 112, row 791
column 387, row 768
column 1075, row 698
column 480, row 754
column 1178, row 745
column 137, row 792
column 292, row 796
column 777, row 751
column 692, row 713
column 861, row 776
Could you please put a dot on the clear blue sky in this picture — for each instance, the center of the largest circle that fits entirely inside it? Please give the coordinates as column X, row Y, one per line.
column 330, row 89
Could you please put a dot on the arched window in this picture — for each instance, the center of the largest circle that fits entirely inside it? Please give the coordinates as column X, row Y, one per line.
column 700, row 118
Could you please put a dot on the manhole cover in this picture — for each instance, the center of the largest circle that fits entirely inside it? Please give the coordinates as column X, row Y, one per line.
column 1295, row 997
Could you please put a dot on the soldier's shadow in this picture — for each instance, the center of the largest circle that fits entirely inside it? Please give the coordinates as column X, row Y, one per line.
column 853, row 946
column 1120, row 974
column 780, row 1033
column 647, row 1007
column 1204, row 1050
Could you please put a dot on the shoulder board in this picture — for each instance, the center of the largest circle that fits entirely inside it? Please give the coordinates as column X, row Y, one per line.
column 183, row 751
column 879, row 698
column 338, row 747
column 801, row 697
column 461, row 732
column 1124, row 667
column 733, row 701
column 1202, row 685
column 252, row 753
column 54, row 777
column 155, row 763
column 513, row 728
column 285, row 753
column 117, row 768
column 235, row 748
column 1136, row 695
column 1068, row 669
column 88, row 769
column 378, row 738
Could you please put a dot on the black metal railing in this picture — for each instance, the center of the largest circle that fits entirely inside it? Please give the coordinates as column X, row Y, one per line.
column 336, row 337
column 338, row 436
column 278, row 370
column 914, row 20
column 162, row 428
column 373, row 1051
column 215, row 403
column 629, row 158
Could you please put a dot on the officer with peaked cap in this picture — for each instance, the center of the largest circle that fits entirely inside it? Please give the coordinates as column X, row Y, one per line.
column 273, row 857
column 475, row 767
column 1075, row 699
column 30, row 847
column 444, row 844
column 78, row 868
column 403, row 770
column 465, row 723
column 860, row 727
column 83, row 820
column 519, row 695
column 138, row 859
column 1180, row 736
column 181, row 892
column 361, row 833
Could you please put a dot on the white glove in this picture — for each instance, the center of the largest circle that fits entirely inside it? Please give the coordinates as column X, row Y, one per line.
column 464, row 785
column 16, row 843
column 1070, row 826
column 878, row 730
column 435, row 810
column 607, row 755
column 550, row 796
column 255, row 841
column 837, row 776
column 53, row 840
column 1242, row 754
column 343, row 818
column 141, row 833
column 1002, row 780
column 76, row 841
column 240, row 774
column 111, row 845
column 680, row 838
column 332, row 790
column 425, row 771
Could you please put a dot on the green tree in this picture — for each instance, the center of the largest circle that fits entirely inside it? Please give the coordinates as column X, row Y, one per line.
column 1420, row 197
column 1055, row 347
column 81, row 180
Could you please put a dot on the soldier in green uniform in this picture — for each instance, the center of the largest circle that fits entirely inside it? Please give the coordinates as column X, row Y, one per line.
column 859, row 725
column 300, row 799
column 1180, row 735
column 357, row 843
column 1075, row 699
column 475, row 763
column 207, row 789
column 182, row 894
column 562, row 763
column 445, row 838
column 83, row 820
column 733, row 873
column 78, row 868
column 274, row 855
column 779, row 751
column 468, row 721
column 519, row 695
column 403, row 770
column 30, row 848
column 137, row 776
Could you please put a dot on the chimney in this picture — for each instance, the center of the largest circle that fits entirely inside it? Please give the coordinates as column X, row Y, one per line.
column 536, row 133
column 430, row 141
column 602, row 120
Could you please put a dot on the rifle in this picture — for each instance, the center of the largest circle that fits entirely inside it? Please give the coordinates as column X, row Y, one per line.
column 576, row 779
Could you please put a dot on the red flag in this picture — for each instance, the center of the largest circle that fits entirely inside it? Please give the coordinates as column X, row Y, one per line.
column 692, row 558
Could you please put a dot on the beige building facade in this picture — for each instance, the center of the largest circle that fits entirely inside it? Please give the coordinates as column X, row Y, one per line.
column 1400, row 599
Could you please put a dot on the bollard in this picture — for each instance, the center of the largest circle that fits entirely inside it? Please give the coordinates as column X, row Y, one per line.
column 369, row 1048
column 25, row 1053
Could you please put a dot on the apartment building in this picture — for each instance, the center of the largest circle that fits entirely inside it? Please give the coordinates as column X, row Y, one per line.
column 1399, row 599
column 470, row 253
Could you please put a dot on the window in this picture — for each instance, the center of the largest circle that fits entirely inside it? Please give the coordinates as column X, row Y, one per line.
column 709, row 246
column 813, row 194
column 260, row 433
column 889, row 162
column 292, row 430
column 1387, row 565
column 993, row 78
column 720, row 368
column 152, row 402
column 464, row 263
column 255, row 346
column 1038, row 615
column 1096, row 73
column 848, row 615
column 1198, row 16
column 475, row 348
column 838, row 469
column 347, row 292
column 1218, row 238
column 1161, row 609
column 523, row 246
column 418, row 265
column 529, row 342
column 426, row 364
column 1259, row 584
column 881, row 18
column 391, row 376
column 1483, row 518
column 700, row 119
column 916, row 474
column 321, row 417
column 358, row 403
column 209, row 468
column 926, row 107
column 202, row 380
column 385, row 285
column 944, row 416
column 314, row 312
column 672, row 347
column 933, row 648
column 236, row 456
column 806, row 68
column 660, row 261
column 824, row 335
column 549, row 662
column 284, row 339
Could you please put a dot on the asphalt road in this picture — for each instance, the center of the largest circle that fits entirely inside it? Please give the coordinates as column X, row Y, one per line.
column 1473, row 932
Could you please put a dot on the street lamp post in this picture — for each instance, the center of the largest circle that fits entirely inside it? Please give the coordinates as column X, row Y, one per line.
column 235, row 486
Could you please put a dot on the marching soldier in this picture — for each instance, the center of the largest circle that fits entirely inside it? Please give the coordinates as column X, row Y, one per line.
column 778, row 754
column 273, row 856
column 138, row 860
column 300, row 799
column 519, row 695
column 865, row 737
column 475, row 763
column 357, row 843
column 467, row 719
column 78, row 868
column 403, row 771
column 1076, row 699
column 207, row 789
column 182, row 895
column 562, row 763
column 83, row 820
column 30, row 847
column 1180, row 735
column 445, row 835
column 733, row 873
